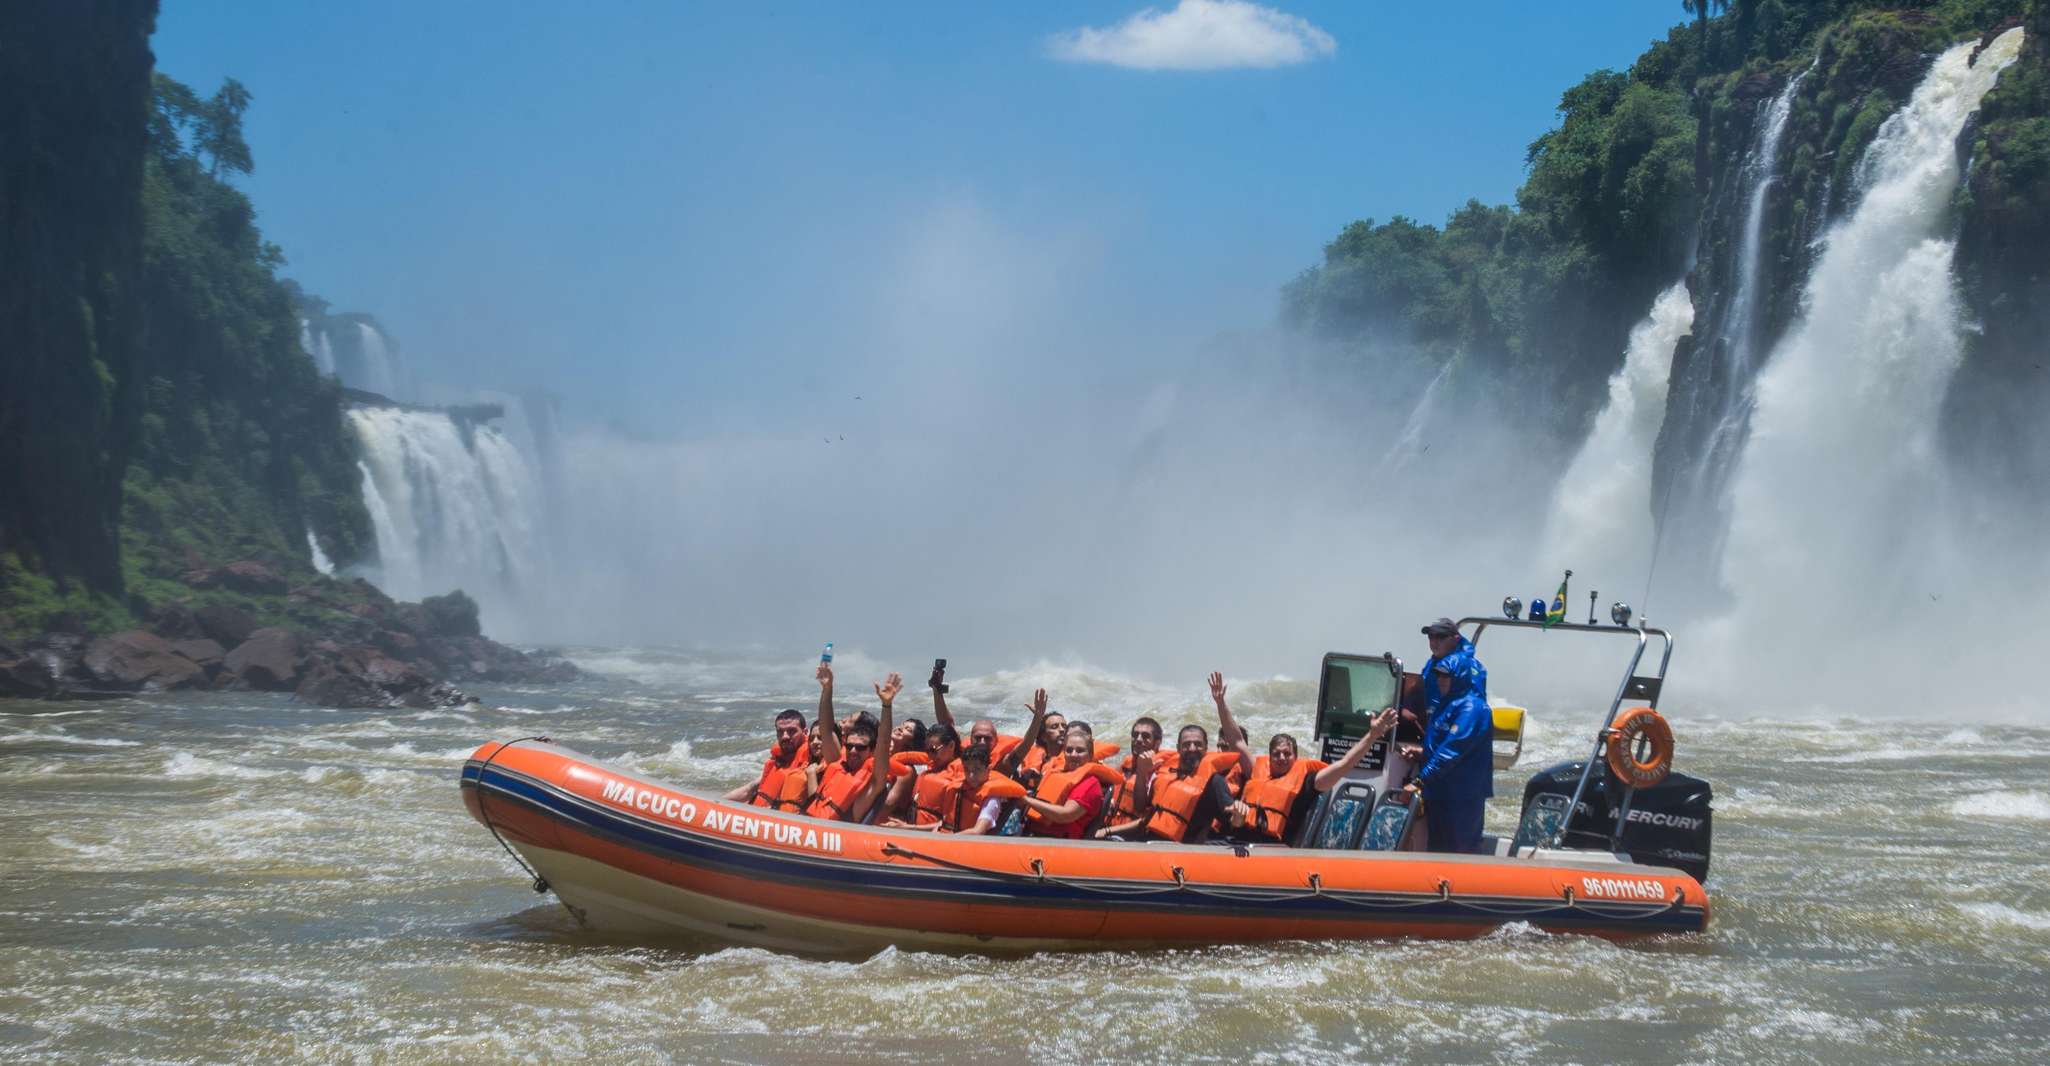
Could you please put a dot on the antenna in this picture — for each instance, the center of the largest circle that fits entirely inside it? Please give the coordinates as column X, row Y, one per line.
column 1591, row 596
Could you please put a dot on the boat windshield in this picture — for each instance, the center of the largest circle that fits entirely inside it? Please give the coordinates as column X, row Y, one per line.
column 1353, row 690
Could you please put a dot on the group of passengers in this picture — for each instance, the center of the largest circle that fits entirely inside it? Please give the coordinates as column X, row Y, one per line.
column 1057, row 780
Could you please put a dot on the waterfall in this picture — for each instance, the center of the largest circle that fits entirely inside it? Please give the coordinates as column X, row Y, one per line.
column 379, row 373
column 1601, row 519
column 320, row 560
column 1839, row 501
column 1409, row 442
column 1696, row 525
column 316, row 345
column 452, row 506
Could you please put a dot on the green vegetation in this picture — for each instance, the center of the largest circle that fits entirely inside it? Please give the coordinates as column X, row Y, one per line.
column 160, row 416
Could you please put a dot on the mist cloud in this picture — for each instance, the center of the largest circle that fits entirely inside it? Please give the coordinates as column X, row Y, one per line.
column 1199, row 35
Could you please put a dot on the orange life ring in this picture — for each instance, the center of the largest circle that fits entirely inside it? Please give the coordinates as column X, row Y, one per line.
column 1647, row 725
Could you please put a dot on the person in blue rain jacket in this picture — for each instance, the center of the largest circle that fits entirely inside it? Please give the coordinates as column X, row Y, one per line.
column 1458, row 766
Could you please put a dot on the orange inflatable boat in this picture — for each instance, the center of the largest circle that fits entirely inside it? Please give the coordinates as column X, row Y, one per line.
column 629, row 855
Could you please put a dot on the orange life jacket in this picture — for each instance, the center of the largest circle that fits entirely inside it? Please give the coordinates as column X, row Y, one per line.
column 1269, row 799
column 907, row 762
column 955, row 810
column 1056, row 783
column 1124, row 800
column 838, row 790
column 928, row 796
column 1175, row 796
column 776, row 789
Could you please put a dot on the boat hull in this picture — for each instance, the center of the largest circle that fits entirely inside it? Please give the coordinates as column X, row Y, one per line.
column 631, row 856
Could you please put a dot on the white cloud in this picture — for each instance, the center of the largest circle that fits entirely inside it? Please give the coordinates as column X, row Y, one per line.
column 1198, row 35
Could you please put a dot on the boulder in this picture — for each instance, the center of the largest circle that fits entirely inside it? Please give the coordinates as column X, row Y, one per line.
column 25, row 675
column 200, row 650
column 453, row 615
column 137, row 660
column 206, row 654
column 332, row 683
column 230, row 626
column 268, row 660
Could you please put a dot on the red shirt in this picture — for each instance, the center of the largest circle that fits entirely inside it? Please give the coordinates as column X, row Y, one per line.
column 1088, row 793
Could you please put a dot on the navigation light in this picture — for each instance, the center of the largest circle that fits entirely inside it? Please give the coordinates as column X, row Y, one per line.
column 1512, row 608
column 1619, row 613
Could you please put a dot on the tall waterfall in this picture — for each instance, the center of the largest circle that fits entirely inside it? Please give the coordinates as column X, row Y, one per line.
column 1602, row 514
column 453, row 505
column 1694, row 527
column 1840, row 501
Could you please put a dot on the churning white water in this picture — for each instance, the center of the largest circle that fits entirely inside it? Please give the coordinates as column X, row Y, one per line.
column 1602, row 509
column 451, row 509
column 1839, row 501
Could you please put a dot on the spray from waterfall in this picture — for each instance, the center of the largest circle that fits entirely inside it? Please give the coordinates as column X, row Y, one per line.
column 1601, row 513
column 1841, row 508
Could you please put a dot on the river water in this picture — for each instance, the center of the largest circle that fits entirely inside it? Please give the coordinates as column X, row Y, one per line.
column 206, row 877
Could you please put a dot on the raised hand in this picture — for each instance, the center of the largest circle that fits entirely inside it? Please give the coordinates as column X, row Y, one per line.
column 1217, row 687
column 825, row 676
column 890, row 686
column 1038, row 704
column 1383, row 722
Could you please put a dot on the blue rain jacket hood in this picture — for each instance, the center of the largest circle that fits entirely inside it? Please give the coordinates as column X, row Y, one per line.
column 1458, row 761
column 1463, row 659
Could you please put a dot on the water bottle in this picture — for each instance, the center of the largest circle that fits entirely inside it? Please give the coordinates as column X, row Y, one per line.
column 827, row 655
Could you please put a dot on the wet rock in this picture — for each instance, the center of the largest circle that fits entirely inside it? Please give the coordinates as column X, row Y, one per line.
column 396, row 644
column 452, row 615
column 137, row 660
column 25, row 675
column 268, row 660
column 359, row 676
column 229, row 626
column 334, row 683
column 206, row 654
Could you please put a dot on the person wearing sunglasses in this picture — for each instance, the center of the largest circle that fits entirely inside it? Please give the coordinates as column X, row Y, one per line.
column 849, row 786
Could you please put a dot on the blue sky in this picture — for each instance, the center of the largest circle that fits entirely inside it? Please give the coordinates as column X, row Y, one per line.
column 642, row 204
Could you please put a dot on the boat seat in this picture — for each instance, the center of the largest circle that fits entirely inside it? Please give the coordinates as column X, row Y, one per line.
column 1340, row 817
column 1510, row 722
column 1542, row 819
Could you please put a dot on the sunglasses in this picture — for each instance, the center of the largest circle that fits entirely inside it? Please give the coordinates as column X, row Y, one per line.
column 853, row 746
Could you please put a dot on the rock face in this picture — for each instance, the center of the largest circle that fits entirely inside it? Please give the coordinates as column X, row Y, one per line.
column 140, row 661
column 349, row 646
column 268, row 661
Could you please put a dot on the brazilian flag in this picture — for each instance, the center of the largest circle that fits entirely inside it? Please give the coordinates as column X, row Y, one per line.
column 1557, row 613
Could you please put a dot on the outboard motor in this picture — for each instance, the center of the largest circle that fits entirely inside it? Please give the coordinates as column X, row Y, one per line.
column 1668, row 824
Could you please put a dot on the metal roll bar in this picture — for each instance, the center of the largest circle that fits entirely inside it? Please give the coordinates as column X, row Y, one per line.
column 1643, row 687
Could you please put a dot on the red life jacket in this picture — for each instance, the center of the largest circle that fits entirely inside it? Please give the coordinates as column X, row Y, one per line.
column 1175, row 796
column 774, row 789
column 838, row 790
column 1269, row 799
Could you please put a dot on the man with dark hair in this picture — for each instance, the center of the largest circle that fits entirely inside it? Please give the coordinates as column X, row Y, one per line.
column 791, row 755
column 849, row 787
column 1128, row 808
